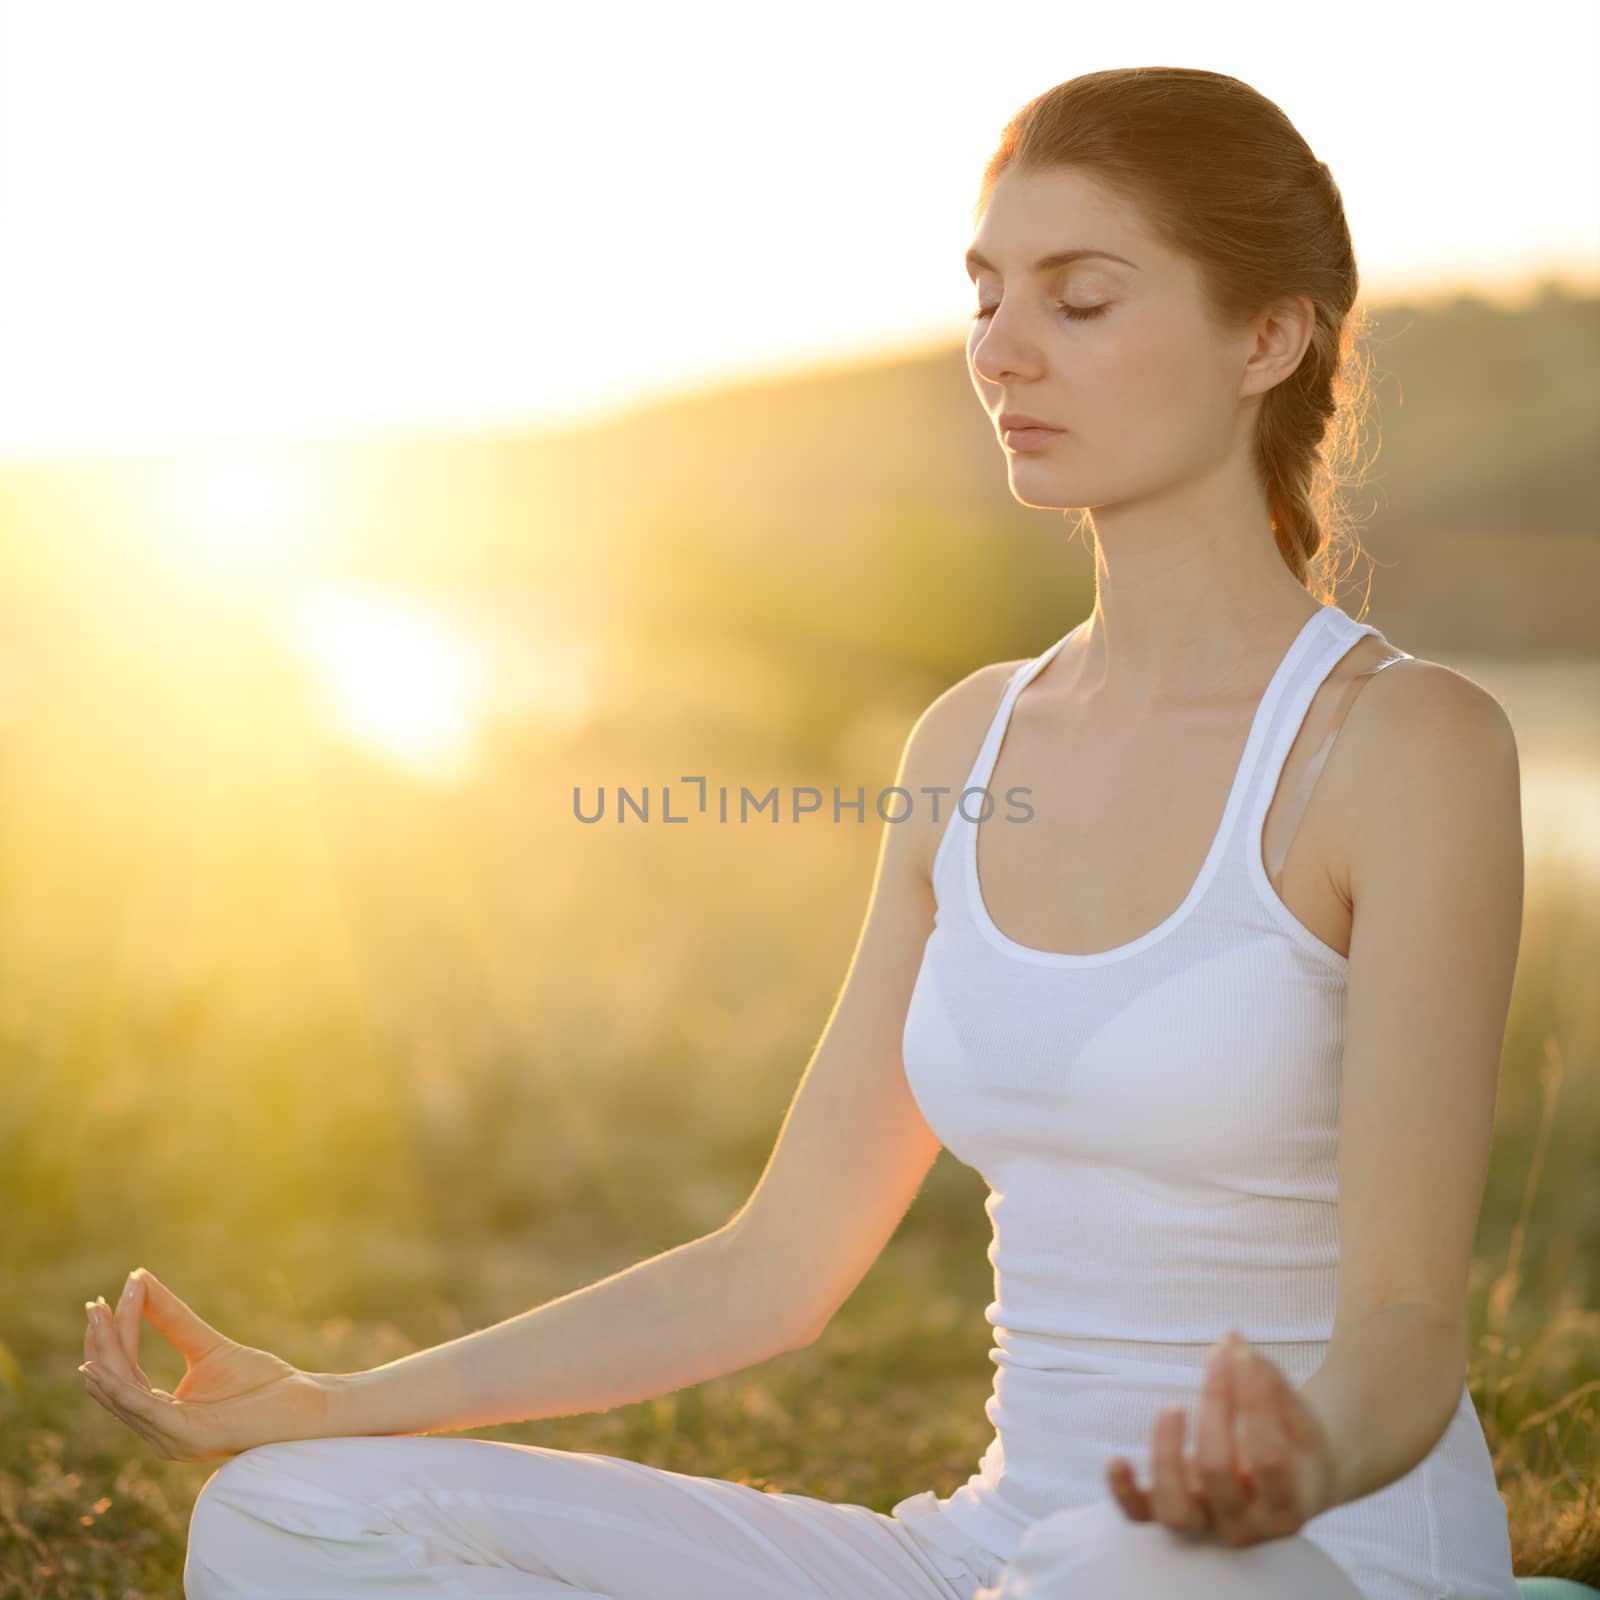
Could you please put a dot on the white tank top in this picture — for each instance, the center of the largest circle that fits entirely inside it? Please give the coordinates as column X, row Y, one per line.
column 1158, row 1126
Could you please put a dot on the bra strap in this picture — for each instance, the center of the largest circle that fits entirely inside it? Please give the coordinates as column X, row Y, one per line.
column 1313, row 770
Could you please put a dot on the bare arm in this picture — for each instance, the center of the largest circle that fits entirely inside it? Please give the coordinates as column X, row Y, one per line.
column 850, row 1157
column 1436, row 874
column 691, row 1313
column 854, row 1148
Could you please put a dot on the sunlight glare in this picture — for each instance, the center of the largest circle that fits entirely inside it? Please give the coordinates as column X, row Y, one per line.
column 244, row 513
column 245, row 507
column 397, row 676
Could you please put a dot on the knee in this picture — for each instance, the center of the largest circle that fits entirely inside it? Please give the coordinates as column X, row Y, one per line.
column 213, row 1533
column 235, row 1519
column 1096, row 1549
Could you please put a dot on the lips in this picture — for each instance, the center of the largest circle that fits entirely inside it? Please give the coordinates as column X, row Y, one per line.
column 1020, row 419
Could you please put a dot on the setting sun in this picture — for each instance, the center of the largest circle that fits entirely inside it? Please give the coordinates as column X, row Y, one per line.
column 246, row 513
column 396, row 677
column 246, row 508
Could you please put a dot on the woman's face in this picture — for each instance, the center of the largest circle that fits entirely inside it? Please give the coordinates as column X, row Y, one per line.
column 1118, row 354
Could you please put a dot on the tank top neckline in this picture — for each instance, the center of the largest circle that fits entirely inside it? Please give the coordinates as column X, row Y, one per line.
column 989, row 754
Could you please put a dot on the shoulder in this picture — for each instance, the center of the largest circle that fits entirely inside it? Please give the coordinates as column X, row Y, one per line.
column 1419, row 713
column 942, row 743
column 954, row 723
column 1432, row 765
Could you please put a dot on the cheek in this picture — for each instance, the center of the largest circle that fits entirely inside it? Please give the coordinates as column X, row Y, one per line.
column 1127, row 384
column 1138, row 364
column 1162, row 384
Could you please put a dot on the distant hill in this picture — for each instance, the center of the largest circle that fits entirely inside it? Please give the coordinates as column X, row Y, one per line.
column 832, row 483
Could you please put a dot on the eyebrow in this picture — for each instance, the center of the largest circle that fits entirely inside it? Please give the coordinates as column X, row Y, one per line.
column 1057, row 258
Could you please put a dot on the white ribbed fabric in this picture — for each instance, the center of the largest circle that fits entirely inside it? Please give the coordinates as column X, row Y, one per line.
column 1158, row 1128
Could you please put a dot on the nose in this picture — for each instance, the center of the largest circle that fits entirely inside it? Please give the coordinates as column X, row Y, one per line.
column 999, row 351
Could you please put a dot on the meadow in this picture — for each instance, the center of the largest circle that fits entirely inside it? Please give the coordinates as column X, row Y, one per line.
column 358, row 1057
column 358, row 1064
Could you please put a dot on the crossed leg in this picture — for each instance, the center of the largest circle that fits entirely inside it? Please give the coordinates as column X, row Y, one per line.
column 402, row 1516
column 426, row 1515
column 1092, row 1551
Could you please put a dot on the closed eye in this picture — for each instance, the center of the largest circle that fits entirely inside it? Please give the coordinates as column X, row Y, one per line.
column 1076, row 313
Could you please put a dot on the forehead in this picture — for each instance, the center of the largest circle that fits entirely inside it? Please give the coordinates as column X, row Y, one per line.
column 1057, row 213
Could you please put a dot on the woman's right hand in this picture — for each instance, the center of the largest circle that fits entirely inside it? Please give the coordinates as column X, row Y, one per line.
column 232, row 1398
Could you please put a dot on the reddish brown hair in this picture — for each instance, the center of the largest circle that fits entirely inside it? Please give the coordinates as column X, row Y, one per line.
column 1222, row 176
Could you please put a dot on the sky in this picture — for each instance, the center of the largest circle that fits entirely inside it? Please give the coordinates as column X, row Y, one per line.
column 236, row 219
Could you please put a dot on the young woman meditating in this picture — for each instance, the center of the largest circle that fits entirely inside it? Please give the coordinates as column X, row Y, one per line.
column 1220, row 1026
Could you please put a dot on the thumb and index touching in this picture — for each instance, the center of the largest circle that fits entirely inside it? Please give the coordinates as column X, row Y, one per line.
column 144, row 1295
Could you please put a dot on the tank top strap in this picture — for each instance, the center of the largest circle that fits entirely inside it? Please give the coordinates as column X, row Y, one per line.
column 1289, row 714
column 989, row 750
column 1296, row 806
column 977, row 776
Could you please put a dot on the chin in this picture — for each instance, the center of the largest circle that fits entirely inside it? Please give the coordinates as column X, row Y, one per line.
column 1034, row 489
column 1042, row 505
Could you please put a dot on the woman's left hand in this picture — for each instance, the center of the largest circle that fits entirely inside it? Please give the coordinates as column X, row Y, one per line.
column 1262, row 1465
column 232, row 1398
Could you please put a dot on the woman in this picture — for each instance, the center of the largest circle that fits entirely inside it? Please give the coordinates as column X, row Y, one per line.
column 1221, row 1026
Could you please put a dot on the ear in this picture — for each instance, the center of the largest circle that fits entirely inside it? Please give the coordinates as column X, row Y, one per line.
column 1280, row 334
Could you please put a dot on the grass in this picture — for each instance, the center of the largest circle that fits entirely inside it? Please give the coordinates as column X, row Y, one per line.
column 536, row 1054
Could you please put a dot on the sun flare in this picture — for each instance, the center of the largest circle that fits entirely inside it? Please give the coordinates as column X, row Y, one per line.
column 248, row 514
column 397, row 677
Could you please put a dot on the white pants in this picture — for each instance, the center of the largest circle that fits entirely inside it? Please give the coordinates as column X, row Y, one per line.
column 413, row 1515
column 1095, row 1551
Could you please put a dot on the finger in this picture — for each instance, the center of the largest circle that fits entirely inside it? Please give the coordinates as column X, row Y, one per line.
column 105, row 1349
column 113, row 1341
column 1292, row 1413
column 191, row 1333
column 1196, row 1487
column 1125, row 1489
column 152, row 1411
column 128, row 1316
column 1263, row 1443
column 94, row 1336
column 1169, row 1493
column 1214, row 1446
column 101, row 1393
column 131, row 1423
